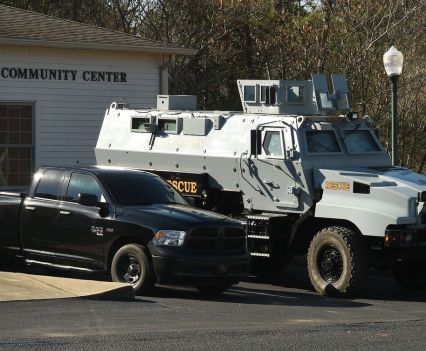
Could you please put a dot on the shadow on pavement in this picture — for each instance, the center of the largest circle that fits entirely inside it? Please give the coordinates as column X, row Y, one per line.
column 293, row 288
column 380, row 286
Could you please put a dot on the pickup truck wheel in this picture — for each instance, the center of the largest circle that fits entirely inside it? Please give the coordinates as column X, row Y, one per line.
column 131, row 265
column 410, row 275
column 337, row 262
column 211, row 290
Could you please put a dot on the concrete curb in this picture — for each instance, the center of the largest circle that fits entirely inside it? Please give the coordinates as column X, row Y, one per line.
column 24, row 287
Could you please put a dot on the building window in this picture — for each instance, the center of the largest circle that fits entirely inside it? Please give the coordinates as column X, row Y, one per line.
column 16, row 144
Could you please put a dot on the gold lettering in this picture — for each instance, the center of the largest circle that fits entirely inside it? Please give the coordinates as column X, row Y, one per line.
column 344, row 186
column 184, row 186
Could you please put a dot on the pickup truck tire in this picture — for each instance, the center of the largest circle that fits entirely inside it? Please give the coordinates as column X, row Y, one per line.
column 338, row 262
column 212, row 290
column 131, row 265
column 410, row 276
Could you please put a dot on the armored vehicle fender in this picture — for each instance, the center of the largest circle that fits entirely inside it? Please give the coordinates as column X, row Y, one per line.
column 372, row 199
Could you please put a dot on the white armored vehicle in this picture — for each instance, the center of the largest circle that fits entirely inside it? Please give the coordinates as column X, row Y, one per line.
column 304, row 173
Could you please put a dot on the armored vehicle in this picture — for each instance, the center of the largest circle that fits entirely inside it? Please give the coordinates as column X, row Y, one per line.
column 305, row 174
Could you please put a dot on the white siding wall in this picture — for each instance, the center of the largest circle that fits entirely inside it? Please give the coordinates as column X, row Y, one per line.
column 68, row 114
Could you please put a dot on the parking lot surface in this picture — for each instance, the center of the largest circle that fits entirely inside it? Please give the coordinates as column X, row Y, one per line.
column 254, row 314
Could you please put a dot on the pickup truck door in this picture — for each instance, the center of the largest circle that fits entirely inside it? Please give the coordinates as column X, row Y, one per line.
column 39, row 216
column 81, row 229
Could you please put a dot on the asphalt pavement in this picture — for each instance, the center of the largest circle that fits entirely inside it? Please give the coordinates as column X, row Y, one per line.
column 255, row 314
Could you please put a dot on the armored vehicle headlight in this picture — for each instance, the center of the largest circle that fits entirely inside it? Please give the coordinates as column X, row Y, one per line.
column 169, row 238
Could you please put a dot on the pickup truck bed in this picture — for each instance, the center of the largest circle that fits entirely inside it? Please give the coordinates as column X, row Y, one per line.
column 10, row 204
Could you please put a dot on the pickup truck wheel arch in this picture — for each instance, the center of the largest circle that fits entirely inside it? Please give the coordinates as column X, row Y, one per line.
column 338, row 261
column 132, row 264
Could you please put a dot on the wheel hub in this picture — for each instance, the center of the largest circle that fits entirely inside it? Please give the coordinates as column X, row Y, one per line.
column 131, row 269
column 330, row 264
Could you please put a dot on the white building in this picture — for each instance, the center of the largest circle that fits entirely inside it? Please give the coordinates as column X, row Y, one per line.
column 57, row 78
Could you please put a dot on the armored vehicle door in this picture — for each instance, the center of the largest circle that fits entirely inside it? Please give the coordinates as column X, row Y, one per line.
column 271, row 183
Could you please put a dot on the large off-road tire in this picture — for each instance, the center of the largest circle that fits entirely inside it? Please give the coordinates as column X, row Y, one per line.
column 213, row 290
column 410, row 275
column 338, row 262
column 131, row 264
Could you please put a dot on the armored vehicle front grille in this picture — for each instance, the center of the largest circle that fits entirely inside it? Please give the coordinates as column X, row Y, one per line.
column 216, row 240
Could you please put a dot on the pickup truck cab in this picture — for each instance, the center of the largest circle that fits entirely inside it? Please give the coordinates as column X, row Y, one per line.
column 127, row 222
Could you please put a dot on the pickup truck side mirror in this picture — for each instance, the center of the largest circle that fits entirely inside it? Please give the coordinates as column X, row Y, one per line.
column 91, row 200
column 88, row 200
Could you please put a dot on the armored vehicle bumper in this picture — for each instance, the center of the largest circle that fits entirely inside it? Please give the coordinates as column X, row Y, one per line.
column 406, row 243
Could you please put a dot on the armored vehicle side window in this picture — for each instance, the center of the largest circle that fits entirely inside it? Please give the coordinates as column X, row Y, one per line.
column 272, row 144
column 249, row 93
column 322, row 141
column 83, row 183
column 49, row 186
column 140, row 124
column 167, row 125
column 360, row 141
column 295, row 94
column 268, row 95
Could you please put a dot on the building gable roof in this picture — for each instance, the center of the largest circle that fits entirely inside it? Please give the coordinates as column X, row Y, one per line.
column 28, row 28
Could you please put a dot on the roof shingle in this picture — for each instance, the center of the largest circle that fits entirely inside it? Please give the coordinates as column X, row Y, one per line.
column 22, row 27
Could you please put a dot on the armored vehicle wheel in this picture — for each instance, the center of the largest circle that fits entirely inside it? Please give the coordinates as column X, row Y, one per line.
column 337, row 262
column 410, row 275
column 211, row 290
column 131, row 265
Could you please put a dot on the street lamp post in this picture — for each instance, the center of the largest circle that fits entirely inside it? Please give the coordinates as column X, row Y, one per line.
column 393, row 59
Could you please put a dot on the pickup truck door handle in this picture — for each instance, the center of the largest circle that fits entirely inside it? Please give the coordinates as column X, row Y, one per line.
column 30, row 208
column 65, row 213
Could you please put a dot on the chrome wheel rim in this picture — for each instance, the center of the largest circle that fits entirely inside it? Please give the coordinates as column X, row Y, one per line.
column 129, row 269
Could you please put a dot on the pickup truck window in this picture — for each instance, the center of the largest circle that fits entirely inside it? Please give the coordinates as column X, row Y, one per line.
column 82, row 183
column 138, row 188
column 49, row 186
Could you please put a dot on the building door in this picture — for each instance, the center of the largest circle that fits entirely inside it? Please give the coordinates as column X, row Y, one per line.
column 16, row 144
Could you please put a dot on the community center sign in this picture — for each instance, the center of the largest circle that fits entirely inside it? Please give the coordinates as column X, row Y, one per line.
column 62, row 74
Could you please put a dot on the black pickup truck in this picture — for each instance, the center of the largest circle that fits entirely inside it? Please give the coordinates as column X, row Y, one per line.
column 127, row 222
